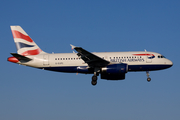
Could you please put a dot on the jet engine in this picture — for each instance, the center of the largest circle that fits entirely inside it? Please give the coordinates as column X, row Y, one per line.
column 114, row 71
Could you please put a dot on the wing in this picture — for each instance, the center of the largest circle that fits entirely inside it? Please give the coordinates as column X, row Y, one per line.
column 89, row 58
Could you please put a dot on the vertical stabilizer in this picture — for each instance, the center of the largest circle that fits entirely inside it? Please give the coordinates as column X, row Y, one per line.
column 24, row 44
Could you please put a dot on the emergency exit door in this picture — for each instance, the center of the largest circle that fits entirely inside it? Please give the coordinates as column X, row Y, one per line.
column 46, row 60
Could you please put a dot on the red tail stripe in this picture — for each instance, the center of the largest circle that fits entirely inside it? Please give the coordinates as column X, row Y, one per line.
column 32, row 52
column 17, row 34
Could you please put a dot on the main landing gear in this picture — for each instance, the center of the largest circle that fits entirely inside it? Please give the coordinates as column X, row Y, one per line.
column 148, row 78
column 94, row 77
column 94, row 80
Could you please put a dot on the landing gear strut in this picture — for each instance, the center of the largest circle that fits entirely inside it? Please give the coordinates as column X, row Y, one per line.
column 148, row 78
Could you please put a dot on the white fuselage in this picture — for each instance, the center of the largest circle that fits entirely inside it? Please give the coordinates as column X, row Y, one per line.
column 134, row 60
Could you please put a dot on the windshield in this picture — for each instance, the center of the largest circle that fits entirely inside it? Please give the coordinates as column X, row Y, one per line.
column 161, row 56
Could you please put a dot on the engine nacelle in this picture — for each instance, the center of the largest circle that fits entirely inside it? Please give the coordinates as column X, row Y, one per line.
column 114, row 72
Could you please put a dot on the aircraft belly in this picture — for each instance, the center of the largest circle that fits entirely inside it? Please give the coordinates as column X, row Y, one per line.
column 69, row 69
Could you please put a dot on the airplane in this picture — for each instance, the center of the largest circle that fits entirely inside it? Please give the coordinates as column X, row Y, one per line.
column 110, row 65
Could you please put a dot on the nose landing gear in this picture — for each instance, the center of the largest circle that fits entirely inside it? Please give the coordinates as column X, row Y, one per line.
column 148, row 78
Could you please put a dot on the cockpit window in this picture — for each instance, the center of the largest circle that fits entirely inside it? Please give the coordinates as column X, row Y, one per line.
column 161, row 56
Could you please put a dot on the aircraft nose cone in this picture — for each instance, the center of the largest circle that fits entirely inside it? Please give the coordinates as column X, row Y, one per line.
column 170, row 63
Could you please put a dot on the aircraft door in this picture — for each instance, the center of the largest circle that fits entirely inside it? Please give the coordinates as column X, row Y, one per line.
column 46, row 60
column 148, row 59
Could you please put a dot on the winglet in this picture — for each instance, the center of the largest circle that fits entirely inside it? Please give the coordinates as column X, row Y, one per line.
column 72, row 46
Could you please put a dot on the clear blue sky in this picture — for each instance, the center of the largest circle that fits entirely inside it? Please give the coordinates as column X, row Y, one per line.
column 96, row 25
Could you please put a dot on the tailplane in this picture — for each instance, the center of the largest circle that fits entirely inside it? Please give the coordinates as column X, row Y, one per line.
column 24, row 44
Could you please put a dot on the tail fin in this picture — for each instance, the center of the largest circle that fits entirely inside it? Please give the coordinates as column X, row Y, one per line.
column 24, row 44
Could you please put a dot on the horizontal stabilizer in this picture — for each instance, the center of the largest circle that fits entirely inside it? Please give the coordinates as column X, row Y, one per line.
column 21, row 57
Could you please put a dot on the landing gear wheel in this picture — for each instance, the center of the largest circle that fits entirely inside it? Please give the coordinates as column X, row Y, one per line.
column 94, row 80
column 149, row 79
